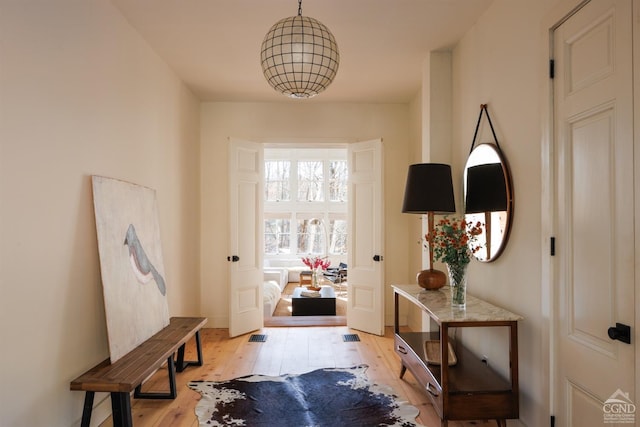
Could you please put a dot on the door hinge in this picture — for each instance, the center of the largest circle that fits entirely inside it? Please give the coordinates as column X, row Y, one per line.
column 553, row 246
column 552, row 69
column 553, row 421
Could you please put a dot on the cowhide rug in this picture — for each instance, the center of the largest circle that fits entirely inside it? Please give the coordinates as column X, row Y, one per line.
column 321, row 398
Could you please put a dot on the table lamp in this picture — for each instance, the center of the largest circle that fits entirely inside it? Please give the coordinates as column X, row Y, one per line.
column 429, row 190
column 486, row 192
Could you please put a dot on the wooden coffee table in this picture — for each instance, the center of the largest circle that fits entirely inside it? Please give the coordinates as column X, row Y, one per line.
column 324, row 305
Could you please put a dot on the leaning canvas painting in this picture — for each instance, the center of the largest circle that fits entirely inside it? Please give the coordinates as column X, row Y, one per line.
column 131, row 263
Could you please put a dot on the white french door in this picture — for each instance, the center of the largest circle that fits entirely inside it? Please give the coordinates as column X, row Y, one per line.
column 365, row 308
column 246, row 223
column 594, row 193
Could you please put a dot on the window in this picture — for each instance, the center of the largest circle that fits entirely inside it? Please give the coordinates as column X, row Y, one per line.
column 310, row 181
column 311, row 237
column 276, row 235
column 314, row 220
column 338, row 181
column 277, row 177
column 338, row 236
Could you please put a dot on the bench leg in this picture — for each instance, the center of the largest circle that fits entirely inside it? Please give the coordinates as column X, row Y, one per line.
column 121, row 409
column 87, row 409
column 138, row 394
column 181, row 364
column 403, row 370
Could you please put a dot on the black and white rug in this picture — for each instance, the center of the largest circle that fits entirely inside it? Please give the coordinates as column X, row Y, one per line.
column 321, row 398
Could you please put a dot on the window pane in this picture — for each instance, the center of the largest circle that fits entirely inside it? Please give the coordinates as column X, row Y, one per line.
column 277, row 174
column 310, row 181
column 311, row 237
column 338, row 181
column 338, row 244
column 276, row 236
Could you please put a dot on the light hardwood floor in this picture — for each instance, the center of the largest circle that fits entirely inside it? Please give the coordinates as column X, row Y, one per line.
column 288, row 320
column 287, row 350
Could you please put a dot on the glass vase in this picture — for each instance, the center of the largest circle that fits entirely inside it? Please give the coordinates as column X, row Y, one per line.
column 315, row 278
column 458, row 284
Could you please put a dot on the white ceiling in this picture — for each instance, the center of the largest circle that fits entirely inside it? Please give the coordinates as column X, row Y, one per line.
column 214, row 45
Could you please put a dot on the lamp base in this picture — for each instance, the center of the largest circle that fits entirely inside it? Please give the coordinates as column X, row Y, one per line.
column 431, row 279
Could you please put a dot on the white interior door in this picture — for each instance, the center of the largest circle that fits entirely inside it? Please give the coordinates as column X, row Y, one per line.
column 365, row 308
column 594, row 195
column 245, row 258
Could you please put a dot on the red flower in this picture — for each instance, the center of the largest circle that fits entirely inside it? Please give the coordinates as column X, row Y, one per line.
column 315, row 262
column 454, row 240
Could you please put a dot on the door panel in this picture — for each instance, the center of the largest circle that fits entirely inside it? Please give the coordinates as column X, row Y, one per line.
column 246, row 236
column 592, row 304
column 594, row 198
column 586, row 407
column 366, row 277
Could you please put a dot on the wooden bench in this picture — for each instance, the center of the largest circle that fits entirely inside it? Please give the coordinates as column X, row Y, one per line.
column 129, row 372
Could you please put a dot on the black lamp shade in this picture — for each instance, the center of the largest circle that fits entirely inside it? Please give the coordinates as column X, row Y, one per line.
column 429, row 189
column 486, row 189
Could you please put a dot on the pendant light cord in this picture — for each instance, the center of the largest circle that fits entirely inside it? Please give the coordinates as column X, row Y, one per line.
column 299, row 7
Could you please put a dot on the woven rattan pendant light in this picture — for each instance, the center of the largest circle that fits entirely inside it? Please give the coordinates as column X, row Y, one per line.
column 299, row 56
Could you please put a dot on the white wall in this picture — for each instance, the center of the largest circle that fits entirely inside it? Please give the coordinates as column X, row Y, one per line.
column 501, row 62
column 307, row 121
column 80, row 94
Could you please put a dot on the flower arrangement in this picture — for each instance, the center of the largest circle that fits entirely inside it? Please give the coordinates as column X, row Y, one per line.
column 314, row 262
column 454, row 240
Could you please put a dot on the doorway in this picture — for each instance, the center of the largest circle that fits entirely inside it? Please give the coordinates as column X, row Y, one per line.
column 305, row 218
column 365, row 239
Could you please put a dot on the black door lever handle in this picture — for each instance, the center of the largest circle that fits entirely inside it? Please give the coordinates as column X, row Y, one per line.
column 621, row 333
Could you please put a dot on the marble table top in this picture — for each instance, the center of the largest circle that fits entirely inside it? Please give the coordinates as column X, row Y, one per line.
column 438, row 304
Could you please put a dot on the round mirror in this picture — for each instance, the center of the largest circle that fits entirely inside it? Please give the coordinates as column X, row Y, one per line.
column 488, row 199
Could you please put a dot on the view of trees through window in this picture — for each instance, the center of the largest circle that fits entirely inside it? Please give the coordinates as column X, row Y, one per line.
column 305, row 202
